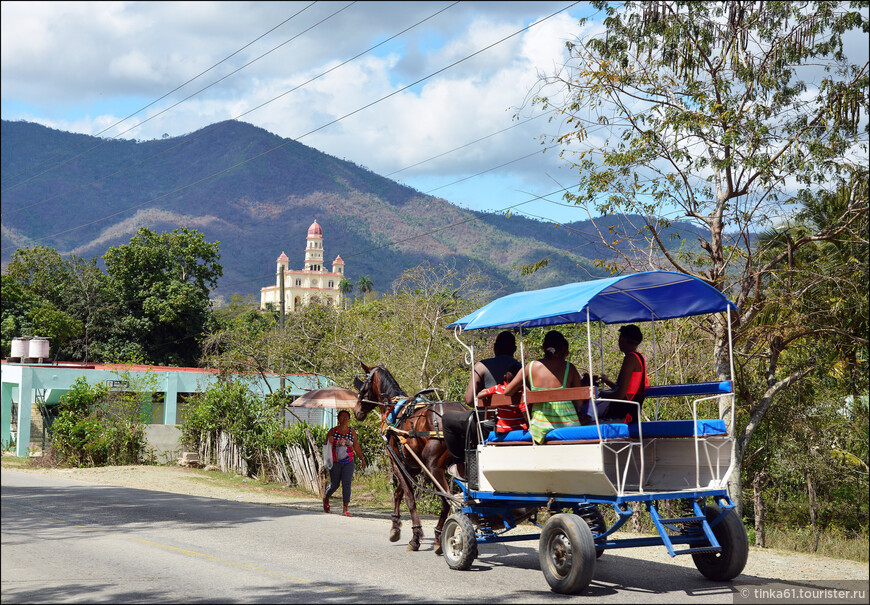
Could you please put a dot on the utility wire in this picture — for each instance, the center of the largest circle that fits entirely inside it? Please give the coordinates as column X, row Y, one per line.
column 138, row 111
column 226, row 122
column 289, row 141
column 162, row 111
column 483, row 138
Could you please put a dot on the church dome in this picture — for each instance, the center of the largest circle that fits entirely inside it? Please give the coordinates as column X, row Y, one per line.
column 315, row 229
column 283, row 258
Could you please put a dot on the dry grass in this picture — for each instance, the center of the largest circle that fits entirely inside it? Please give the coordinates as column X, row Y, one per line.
column 831, row 544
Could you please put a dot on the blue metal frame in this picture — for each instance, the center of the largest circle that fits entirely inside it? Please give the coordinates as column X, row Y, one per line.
column 696, row 531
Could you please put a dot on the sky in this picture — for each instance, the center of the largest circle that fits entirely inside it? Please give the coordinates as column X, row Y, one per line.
column 444, row 107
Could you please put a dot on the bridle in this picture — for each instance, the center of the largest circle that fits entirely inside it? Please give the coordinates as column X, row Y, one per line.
column 366, row 387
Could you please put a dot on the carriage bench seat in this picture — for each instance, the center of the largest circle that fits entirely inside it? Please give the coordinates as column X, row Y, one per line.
column 700, row 388
column 588, row 433
column 609, row 432
column 678, row 428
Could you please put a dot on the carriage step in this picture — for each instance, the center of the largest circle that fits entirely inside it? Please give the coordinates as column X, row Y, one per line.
column 697, row 521
column 699, row 550
column 682, row 522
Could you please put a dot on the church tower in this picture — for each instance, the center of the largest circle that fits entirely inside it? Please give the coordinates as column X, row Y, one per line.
column 312, row 284
column 314, row 248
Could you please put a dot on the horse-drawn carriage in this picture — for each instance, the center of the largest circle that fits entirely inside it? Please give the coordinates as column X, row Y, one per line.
column 685, row 463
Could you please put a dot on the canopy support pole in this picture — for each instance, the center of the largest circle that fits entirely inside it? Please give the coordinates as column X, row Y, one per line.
column 525, row 385
column 652, row 322
column 600, row 344
column 592, row 402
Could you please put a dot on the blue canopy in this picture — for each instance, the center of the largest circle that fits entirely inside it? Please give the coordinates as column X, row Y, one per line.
column 652, row 295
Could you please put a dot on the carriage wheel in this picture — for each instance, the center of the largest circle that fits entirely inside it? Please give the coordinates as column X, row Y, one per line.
column 459, row 542
column 731, row 534
column 566, row 552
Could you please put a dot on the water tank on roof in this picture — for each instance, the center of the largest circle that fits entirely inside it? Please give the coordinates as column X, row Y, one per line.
column 20, row 348
column 38, row 348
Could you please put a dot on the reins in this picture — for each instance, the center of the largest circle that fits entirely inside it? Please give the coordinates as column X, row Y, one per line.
column 389, row 430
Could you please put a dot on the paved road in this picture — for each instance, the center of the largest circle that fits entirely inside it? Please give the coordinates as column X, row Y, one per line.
column 69, row 541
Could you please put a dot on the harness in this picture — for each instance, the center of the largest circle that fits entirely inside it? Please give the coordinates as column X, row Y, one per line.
column 396, row 411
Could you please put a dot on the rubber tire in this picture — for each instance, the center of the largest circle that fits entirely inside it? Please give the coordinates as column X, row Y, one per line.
column 731, row 535
column 566, row 552
column 459, row 542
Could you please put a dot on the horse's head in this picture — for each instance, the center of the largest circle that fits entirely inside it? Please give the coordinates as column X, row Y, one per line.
column 378, row 386
column 368, row 392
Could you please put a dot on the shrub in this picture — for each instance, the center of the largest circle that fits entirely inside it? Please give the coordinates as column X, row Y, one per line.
column 96, row 427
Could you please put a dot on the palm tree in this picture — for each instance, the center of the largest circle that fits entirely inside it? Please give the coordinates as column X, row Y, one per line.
column 346, row 288
column 364, row 285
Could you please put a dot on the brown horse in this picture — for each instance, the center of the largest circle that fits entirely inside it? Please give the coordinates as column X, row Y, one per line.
column 414, row 437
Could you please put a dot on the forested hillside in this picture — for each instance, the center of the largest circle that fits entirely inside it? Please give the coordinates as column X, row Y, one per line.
column 82, row 194
column 103, row 190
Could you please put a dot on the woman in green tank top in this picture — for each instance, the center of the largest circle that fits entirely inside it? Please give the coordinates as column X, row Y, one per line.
column 553, row 371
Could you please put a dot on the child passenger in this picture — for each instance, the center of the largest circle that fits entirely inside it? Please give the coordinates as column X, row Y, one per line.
column 508, row 417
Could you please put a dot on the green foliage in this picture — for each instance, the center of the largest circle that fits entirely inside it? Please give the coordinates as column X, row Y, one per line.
column 162, row 282
column 94, row 428
column 153, row 305
column 232, row 407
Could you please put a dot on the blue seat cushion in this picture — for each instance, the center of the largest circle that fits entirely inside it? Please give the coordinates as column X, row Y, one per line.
column 570, row 433
column 700, row 388
column 679, row 428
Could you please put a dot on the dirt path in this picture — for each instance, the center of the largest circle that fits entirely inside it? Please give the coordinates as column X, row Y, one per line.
column 763, row 563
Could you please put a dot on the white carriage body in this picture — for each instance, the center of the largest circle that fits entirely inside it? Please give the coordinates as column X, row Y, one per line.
column 608, row 468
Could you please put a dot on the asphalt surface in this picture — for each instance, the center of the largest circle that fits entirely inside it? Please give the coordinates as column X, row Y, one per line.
column 67, row 541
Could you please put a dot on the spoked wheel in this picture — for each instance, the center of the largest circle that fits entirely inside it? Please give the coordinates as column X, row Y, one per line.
column 731, row 535
column 458, row 541
column 566, row 552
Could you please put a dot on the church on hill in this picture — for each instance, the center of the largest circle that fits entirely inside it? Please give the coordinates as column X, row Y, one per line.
column 312, row 284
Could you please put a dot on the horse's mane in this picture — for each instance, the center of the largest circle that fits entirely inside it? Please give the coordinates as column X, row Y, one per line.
column 388, row 385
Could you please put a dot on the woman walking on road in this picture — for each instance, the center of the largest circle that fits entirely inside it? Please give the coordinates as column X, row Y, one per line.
column 344, row 443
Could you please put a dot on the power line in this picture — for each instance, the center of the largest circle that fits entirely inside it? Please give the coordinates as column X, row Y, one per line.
column 177, row 88
column 224, row 123
column 435, row 157
column 289, row 141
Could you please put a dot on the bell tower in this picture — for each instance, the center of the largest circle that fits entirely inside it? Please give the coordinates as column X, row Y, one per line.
column 314, row 248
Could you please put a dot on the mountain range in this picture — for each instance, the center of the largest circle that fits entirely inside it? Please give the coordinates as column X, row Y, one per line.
column 257, row 194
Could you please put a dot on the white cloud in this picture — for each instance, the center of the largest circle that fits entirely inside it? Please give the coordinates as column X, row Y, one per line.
column 68, row 64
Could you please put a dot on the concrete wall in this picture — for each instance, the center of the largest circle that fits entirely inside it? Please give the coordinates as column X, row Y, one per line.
column 166, row 441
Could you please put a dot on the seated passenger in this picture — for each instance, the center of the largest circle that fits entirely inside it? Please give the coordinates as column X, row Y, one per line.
column 507, row 417
column 631, row 383
column 459, row 430
column 553, row 371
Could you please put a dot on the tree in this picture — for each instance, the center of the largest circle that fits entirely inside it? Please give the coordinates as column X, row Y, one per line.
column 364, row 285
column 718, row 114
column 162, row 281
column 62, row 298
column 345, row 286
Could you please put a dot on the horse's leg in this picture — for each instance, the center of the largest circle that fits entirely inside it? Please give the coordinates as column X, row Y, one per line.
column 396, row 531
column 416, row 526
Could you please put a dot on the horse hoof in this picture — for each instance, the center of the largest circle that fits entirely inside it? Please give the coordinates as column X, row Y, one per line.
column 412, row 547
column 395, row 535
column 438, row 550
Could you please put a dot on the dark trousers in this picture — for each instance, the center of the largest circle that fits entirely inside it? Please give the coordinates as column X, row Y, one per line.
column 340, row 473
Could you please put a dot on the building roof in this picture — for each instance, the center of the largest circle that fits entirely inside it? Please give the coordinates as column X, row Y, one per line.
column 338, row 260
column 315, row 229
column 283, row 257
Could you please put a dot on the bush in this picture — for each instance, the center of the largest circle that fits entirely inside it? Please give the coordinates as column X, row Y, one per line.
column 96, row 428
